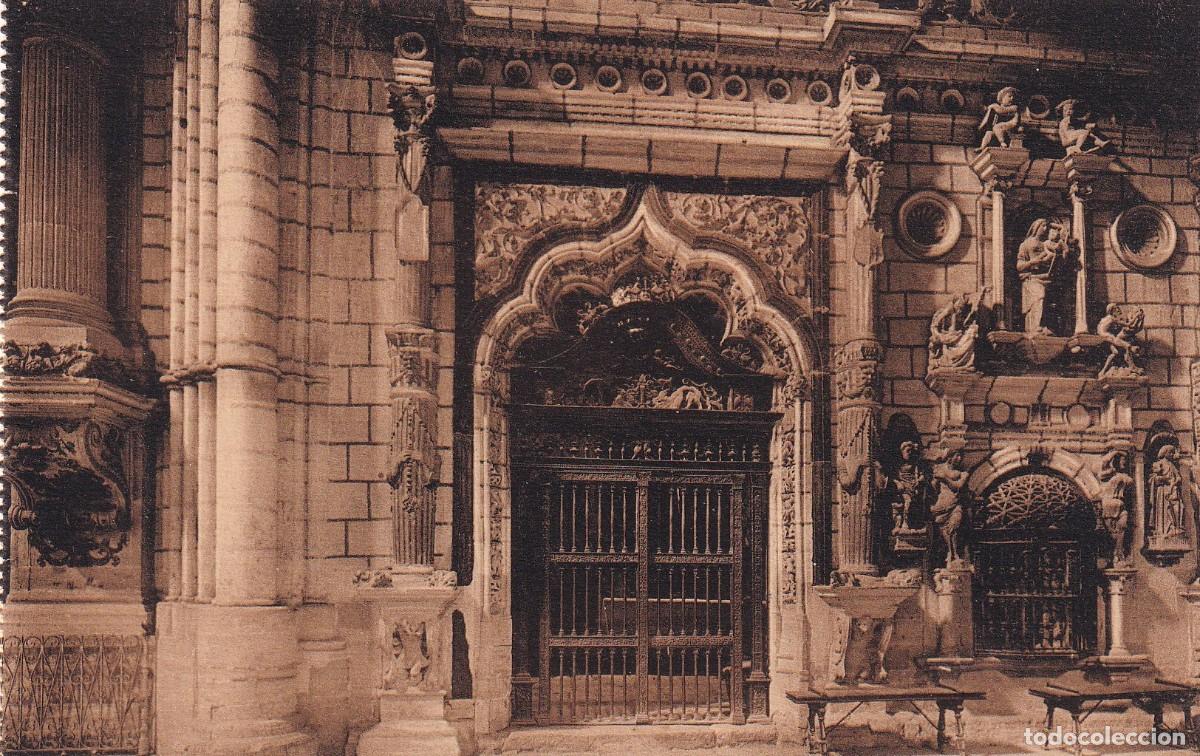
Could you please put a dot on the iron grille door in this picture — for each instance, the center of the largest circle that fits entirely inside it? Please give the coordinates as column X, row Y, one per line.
column 641, row 605
column 1035, row 598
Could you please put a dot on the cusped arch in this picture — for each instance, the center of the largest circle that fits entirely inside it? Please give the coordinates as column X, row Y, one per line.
column 1010, row 459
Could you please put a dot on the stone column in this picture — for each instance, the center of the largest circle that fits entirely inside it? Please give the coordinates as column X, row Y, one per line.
column 864, row 130
column 1119, row 580
column 996, row 168
column 1082, row 172
column 62, row 218
column 414, row 465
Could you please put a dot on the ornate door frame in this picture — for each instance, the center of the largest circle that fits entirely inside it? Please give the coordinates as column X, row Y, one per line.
column 687, row 262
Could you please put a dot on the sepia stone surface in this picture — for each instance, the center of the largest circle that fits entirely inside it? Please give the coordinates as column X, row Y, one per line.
column 379, row 380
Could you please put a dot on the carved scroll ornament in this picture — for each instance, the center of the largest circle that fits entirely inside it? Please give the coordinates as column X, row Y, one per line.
column 70, row 487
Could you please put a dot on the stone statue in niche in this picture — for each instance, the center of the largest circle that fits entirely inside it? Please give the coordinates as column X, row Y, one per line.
column 1001, row 119
column 953, row 332
column 1078, row 135
column 409, row 663
column 1114, row 501
column 907, row 484
column 1166, row 484
column 1120, row 328
column 946, row 511
column 1044, row 261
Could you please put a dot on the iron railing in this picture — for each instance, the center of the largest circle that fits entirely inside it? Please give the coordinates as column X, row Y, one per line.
column 74, row 694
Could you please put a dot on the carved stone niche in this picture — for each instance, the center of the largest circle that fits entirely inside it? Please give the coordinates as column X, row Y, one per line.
column 74, row 450
column 1170, row 497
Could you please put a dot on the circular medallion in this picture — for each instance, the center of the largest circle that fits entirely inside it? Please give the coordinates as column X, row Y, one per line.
column 608, row 78
column 778, row 90
column 470, row 71
column 698, row 85
column 1143, row 236
column 928, row 225
column 952, row 101
column 562, row 75
column 654, row 81
column 412, row 45
column 517, row 73
column 1000, row 413
column 1078, row 417
column 1038, row 106
column 819, row 92
column 908, row 99
column 734, row 88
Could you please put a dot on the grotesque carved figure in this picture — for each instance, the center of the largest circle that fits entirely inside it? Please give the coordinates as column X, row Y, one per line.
column 1076, row 133
column 409, row 662
column 1043, row 259
column 953, row 332
column 1119, row 329
column 949, row 477
column 1114, row 502
column 1166, row 496
column 1000, row 120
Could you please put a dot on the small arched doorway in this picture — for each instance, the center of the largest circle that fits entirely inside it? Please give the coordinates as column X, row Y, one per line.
column 641, row 444
column 1036, row 577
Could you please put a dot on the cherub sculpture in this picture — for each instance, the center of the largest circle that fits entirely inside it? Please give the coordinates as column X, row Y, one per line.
column 1076, row 133
column 1120, row 330
column 1000, row 119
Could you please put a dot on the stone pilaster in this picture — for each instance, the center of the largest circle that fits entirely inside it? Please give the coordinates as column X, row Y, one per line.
column 1082, row 173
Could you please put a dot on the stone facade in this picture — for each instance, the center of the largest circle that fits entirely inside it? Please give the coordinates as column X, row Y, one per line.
column 277, row 266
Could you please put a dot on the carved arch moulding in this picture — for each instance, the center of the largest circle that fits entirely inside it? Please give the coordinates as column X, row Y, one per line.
column 668, row 267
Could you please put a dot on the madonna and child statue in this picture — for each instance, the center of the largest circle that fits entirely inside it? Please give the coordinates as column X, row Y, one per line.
column 1046, row 261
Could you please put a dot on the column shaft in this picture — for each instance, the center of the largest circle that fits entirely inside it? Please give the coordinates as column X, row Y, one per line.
column 247, row 509
column 1079, row 231
column 999, row 303
column 61, row 239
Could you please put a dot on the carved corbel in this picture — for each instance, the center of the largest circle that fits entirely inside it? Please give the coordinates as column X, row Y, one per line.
column 413, row 103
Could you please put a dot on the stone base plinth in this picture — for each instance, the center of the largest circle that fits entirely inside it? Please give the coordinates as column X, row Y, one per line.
column 410, row 723
column 867, row 620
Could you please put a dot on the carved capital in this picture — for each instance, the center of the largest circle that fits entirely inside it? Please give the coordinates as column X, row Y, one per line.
column 856, row 366
column 412, row 359
column 78, row 361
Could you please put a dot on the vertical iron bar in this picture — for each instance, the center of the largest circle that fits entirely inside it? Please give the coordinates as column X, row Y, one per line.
column 643, row 590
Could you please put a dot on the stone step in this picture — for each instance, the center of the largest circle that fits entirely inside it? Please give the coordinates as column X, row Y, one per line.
column 634, row 739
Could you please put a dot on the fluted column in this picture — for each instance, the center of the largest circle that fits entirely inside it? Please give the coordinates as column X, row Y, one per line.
column 247, row 302
column 61, row 237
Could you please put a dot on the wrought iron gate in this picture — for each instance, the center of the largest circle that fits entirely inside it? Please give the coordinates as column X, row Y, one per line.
column 1035, row 571
column 640, row 580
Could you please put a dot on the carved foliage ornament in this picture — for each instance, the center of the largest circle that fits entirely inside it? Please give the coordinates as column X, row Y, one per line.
column 71, row 361
column 509, row 217
column 775, row 229
column 71, row 493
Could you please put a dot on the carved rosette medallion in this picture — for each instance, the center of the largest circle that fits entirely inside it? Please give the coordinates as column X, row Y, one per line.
column 776, row 230
column 71, row 489
column 511, row 218
column 414, row 466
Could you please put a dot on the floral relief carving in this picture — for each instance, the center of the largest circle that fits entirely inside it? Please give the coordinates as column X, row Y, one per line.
column 509, row 217
column 775, row 229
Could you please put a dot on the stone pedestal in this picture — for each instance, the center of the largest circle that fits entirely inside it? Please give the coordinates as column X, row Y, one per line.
column 1191, row 597
column 409, row 608
column 864, row 627
column 955, row 628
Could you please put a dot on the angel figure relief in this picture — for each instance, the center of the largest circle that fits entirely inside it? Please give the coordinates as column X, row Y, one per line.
column 953, row 332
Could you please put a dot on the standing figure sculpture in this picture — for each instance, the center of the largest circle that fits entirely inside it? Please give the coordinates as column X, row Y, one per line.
column 1000, row 119
column 1076, row 133
column 949, row 477
column 953, row 332
column 908, row 485
column 1042, row 260
column 1114, row 501
column 1166, row 496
